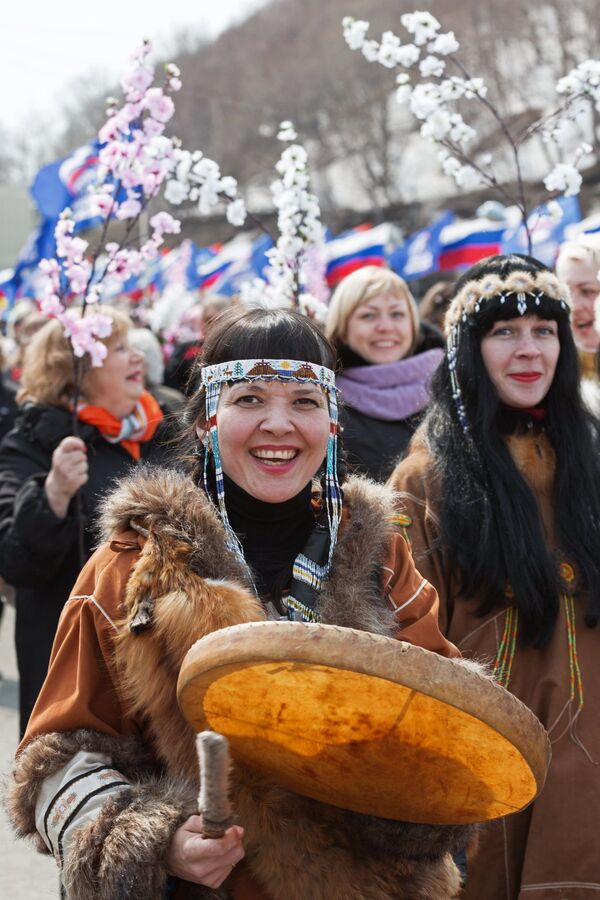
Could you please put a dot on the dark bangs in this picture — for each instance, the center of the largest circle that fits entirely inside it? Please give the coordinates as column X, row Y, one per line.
column 494, row 309
column 266, row 334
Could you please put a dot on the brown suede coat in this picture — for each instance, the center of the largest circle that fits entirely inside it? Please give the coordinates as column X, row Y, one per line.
column 551, row 851
column 113, row 691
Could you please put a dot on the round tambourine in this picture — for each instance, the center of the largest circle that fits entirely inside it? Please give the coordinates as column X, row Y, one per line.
column 365, row 722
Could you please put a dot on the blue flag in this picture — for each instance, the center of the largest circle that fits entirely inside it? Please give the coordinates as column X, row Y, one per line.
column 419, row 255
column 39, row 245
column 67, row 183
column 244, row 270
column 200, row 257
column 259, row 249
column 547, row 234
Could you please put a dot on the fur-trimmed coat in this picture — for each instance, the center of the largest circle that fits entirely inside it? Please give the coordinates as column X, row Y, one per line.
column 550, row 851
column 164, row 580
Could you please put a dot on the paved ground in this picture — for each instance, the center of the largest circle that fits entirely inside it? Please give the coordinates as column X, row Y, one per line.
column 24, row 873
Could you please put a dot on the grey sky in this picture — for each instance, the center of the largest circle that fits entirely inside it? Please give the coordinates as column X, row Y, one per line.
column 43, row 45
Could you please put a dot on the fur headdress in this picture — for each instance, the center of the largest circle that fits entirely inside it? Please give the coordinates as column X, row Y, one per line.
column 527, row 288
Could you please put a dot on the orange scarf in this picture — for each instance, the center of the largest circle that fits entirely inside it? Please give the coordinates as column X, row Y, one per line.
column 138, row 427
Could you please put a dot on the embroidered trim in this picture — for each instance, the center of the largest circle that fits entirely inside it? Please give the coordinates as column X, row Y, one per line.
column 505, row 655
column 306, row 612
column 93, row 600
column 61, row 808
column 309, row 572
column 59, row 855
column 403, row 523
column 560, row 885
column 421, row 587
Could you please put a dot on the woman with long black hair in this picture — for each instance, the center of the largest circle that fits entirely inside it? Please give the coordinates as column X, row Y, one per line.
column 501, row 493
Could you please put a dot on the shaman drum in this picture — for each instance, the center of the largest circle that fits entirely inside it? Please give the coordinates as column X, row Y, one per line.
column 365, row 722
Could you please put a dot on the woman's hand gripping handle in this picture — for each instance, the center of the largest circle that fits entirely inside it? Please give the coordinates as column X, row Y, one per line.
column 205, row 849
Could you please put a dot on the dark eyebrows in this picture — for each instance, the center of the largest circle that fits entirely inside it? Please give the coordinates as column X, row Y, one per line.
column 257, row 387
column 246, row 385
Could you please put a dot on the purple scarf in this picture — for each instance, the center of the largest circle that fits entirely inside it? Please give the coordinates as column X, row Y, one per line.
column 391, row 391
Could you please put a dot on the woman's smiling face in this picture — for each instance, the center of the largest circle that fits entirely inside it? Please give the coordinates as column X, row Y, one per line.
column 520, row 356
column 119, row 382
column 272, row 436
column 381, row 329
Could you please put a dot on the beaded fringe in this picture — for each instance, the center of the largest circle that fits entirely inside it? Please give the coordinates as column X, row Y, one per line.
column 505, row 658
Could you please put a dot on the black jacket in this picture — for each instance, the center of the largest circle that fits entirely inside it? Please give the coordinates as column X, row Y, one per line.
column 8, row 407
column 39, row 552
column 372, row 446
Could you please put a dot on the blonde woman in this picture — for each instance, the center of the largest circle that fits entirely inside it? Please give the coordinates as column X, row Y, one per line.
column 577, row 266
column 387, row 357
column 42, row 466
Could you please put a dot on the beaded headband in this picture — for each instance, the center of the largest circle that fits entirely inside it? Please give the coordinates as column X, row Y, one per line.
column 529, row 288
column 279, row 369
column 285, row 370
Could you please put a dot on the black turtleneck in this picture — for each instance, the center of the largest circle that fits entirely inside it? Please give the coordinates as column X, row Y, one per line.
column 272, row 534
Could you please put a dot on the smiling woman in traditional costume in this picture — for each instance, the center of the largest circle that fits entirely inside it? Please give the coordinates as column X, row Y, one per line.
column 501, row 493
column 265, row 527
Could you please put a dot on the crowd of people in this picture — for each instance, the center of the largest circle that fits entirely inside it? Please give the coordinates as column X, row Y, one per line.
column 424, row 471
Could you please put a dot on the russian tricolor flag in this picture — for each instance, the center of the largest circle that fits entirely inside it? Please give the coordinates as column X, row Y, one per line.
column 361, row 246
column 590, row 225
column 237, row 250
column 465, row 243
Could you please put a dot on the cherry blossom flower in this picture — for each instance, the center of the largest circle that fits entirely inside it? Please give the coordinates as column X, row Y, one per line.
column 422, row 25
column 564, row 178
column 354, row 33
column 370, row 50
column 51, row 306
column 83, row 333
column 431, row 65
column 407, row 55
column 287, row 132
column 102, row 204
column 129, row 208
column 444, row 44
column 583, row 80
column 176, row 192
column 163, row 223
column 172, row 70
column 438, row 125
column 236, row 212
column 554, row 210
column 197, row 178
column 159, row 105
column 137, row 81
column 229, row 186
column 388, row 48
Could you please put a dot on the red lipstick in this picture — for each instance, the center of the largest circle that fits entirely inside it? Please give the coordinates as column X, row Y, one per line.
column 526, row 377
